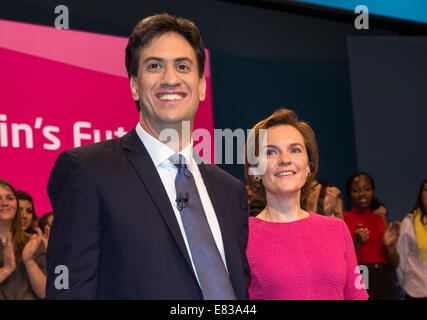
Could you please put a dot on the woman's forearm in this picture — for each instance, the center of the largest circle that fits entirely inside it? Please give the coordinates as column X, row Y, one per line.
column 37, row 279
column 4, row 274
column 393, row 256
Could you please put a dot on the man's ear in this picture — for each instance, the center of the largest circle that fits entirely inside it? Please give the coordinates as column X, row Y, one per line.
column 202, row 88
column 134, row 88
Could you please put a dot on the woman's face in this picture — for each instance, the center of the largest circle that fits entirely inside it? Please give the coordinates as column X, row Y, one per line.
column 286, row 161
column 362, row 192
column 26, row 209
column 8, row 204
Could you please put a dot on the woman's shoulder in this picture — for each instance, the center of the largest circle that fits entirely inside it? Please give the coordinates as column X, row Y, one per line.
column 409, row 217
column 328, row 224
column 330, row 221
column 407, row 222
column 332, row 228
column 327, row 220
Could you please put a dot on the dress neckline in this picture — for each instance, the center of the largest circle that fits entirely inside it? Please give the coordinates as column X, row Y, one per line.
column 310, row 214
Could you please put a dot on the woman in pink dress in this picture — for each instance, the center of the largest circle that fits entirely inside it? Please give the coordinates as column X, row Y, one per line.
column 294, row 254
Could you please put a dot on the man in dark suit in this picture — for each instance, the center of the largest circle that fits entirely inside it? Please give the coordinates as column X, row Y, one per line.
column 121, row 228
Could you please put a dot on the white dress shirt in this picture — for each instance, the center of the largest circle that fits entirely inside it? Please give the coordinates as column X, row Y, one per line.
column 160, row 154
column 412, row 272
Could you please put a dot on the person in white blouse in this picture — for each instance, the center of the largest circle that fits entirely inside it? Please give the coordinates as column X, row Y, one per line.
column 412, row 249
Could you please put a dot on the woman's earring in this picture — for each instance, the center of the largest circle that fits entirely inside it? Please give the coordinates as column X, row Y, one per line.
column 258, row 178
column 308, row 174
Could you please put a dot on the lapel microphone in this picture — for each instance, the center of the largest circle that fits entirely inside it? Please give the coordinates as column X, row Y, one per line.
column 182, row 201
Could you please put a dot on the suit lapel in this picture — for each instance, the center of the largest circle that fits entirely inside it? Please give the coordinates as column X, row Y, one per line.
column 216, row 194
column 147, row 172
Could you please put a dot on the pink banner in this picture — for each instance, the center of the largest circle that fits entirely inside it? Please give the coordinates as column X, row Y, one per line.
column 61, row 89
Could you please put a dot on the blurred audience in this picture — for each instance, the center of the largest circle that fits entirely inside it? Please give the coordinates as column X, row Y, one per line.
column 324, row 199
column 375, row 242
column 22, row 256
column 26, row 207
column 45, row 223
column 378, row 207
column 46, row 220
column 412, row 249
column 310, row 201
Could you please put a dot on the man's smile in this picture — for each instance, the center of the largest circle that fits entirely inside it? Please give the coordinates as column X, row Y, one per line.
column 171, row 96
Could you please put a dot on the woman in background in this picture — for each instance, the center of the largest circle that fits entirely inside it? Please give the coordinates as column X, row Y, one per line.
column 412, row 249
column 374, row 242
column 26, row 209
column 294, row 254
column 22, row 256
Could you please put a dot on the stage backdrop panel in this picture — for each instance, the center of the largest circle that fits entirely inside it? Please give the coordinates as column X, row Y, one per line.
column 389, row 82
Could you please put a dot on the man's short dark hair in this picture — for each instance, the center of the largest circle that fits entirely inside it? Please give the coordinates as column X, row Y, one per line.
column 157, row 25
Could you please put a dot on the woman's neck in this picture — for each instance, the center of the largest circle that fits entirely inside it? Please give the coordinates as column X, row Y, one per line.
column 282, row 208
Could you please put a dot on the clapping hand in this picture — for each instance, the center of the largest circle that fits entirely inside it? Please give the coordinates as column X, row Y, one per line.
column 46, row 234
column 362, row 235
column 312, row 198
column 31, row 246
column 9, row 255
column 331, row 197
column 391, row 234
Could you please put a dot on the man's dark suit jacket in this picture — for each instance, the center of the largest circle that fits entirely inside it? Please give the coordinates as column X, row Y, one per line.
column 116, row 232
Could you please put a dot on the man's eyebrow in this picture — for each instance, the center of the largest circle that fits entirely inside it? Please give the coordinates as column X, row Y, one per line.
column 184, row 59
column 153, row 58
column 179, row 59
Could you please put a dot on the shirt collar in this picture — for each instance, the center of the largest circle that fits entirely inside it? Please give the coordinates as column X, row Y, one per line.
column 160, row 152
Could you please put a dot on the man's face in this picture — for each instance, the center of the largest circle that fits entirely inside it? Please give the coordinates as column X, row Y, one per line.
column 168, row 86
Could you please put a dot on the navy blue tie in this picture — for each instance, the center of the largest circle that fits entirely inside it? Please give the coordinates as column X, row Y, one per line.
column 213, row 277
